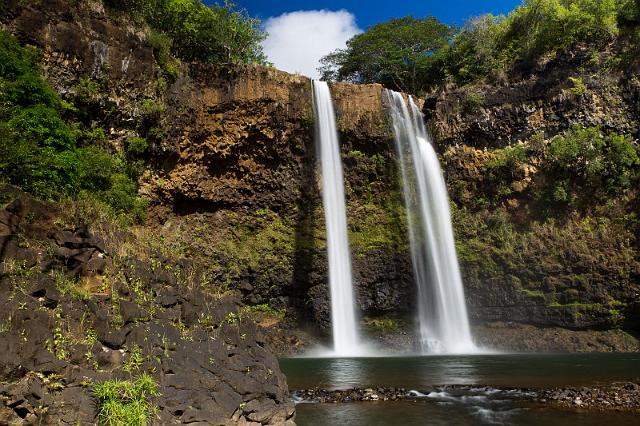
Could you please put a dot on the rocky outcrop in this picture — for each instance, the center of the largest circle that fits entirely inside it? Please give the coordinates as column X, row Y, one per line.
column 70, row 318
column 522, row 337
column 579, row 86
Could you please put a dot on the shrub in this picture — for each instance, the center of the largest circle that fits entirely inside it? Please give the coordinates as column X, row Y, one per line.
column 87, row 90
column 473, row 102
column 541, row 26
column 92, row 137
column 162, row 45
column 588, row 158
column 578, row 88
column 46, row 154
column 126, row 402
column 197, row 32
column 137, row 145
column 44, row 126
column 153, row 107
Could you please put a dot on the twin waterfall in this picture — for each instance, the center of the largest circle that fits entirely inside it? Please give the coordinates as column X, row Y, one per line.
column 442, row 314
column 343, row 315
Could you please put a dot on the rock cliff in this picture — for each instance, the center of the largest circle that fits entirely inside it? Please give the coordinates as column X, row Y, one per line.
column 232, row 179
column 526, row 257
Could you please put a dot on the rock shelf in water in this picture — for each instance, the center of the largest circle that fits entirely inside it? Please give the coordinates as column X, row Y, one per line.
column 617, row 396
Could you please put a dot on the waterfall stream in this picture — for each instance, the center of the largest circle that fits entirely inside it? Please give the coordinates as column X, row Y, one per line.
column 442, row 312
column 343, row 317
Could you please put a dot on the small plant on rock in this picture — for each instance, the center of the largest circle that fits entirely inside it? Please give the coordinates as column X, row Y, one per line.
column 578, row 87
column 135, row 361
column 231, row 318
column 126, row 402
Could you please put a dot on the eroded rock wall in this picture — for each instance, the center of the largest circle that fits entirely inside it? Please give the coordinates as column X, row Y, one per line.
column 233, row 180
column 525, row 257
column 243, row 169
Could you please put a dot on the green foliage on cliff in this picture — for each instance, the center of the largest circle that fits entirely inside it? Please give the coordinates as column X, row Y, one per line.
column 577, row 260
column 194, row 31
column 558, row 221
column 573, row 169
column 583, row 160
column 43, row 150
column 401, row 54
column 489, row 43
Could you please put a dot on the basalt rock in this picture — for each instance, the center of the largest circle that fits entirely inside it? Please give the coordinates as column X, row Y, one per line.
column 59, row 337
column 233, row 182
column 539, row 98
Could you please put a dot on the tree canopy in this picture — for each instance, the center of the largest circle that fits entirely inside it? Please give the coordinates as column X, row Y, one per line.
column 416, row 54
column 400, row 54
column 194, row 31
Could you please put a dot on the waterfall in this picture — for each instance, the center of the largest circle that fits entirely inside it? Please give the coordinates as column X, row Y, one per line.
column 343, row 317
column 442, row 313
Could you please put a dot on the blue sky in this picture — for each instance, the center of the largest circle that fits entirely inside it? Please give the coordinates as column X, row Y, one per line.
column 369, row 12
column 302, row 32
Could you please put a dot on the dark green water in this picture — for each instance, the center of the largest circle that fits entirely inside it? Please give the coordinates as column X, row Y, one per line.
column 477, row 407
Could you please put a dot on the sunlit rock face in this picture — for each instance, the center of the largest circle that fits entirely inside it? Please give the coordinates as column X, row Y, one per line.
column 231, row 174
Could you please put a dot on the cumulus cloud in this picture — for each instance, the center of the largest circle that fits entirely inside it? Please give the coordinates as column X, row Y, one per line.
column 298, row 40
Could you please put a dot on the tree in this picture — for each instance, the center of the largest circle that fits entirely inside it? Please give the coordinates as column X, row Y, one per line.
column 473, row 52
column 197, row 32
column 402, row 54
column 541, row 26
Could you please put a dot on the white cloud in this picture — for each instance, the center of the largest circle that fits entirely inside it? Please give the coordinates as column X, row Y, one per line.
column 298, row 40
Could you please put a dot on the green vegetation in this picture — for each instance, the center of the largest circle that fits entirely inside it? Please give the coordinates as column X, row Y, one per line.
column 552, row 219
column 534, row 294
column 44, row 151
column 417, row 54
column 378, row 224
column 578, row 88
column 263, row 309
column 193, row 31
column 126, row 402
column 264, row 315
column 59, row 344
column 584, row 159
column 68, row 285
column 134, row 360
column 399, row 54
column 266, row 240
column 382, row 325
column 137, row 145
column 574, row 168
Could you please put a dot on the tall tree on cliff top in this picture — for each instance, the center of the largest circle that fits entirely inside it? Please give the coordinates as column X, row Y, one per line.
column 400, row 54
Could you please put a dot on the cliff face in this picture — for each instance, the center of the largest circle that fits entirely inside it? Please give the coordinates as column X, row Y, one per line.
column 577, row 87
column 569, row 261
column 242, row 171
column 232, row 177
column 84, row 299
